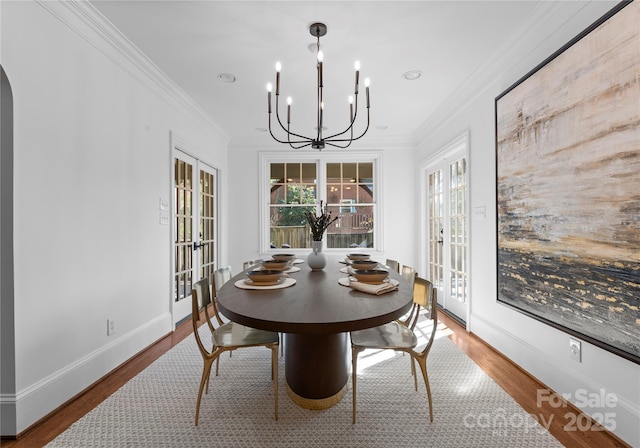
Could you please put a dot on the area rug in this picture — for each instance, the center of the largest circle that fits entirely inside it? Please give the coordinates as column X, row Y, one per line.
column 157, row 407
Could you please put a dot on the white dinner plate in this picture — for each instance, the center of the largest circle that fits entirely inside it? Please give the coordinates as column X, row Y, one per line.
column 243, row 284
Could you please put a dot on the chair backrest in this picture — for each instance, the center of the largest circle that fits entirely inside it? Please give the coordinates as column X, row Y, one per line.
column 409, row 273
column 425, row 295
column 393, row 264
column 221, row 276
column 200, row 301
column 212, row 295
column 247, row 264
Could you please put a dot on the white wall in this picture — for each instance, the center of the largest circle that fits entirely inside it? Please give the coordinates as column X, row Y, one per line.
column 539, row 349
column 92, row 160
column 398, row 194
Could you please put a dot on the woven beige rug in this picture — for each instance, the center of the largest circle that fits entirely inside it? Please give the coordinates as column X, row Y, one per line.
column 157, row 407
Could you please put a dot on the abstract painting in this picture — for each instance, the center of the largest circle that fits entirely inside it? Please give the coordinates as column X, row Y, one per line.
column 568, row 187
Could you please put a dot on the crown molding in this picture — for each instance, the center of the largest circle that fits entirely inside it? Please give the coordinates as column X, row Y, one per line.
column 545, row 20
column 86, row 21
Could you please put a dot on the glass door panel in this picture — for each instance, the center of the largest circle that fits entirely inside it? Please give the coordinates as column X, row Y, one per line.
column 458, row 237
column 436, row 229
column 208, row 240
column 195, row 229
column 448, row 233
column 183, row 244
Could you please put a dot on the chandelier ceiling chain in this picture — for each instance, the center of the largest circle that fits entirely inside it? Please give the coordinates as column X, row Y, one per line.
column 339, row 140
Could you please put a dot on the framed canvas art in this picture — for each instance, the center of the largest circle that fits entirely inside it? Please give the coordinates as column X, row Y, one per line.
column 568, row 187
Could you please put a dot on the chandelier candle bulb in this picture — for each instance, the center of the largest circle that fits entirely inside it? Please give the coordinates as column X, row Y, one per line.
column 269, row 87
column 351, row 109
column 320, row 59
column 357, row 66
column 366, row 83
column 278, row 68
column 288, row 110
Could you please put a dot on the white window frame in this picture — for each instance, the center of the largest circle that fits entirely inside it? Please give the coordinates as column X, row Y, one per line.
column 321, row 159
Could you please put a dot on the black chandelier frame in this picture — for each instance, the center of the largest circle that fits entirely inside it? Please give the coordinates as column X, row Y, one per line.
column 319, row 141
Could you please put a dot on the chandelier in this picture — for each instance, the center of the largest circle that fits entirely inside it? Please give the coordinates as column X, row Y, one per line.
column 341, row 139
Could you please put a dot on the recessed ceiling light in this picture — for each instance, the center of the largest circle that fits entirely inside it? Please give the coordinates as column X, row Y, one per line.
column 381, row 127
column 227, row 77
column 261, row 129
column 412, row 75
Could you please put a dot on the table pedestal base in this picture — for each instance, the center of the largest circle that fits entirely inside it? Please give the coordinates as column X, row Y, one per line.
column 316, row 404
column 316, row 368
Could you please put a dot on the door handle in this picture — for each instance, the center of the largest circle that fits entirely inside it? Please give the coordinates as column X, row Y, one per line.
column 197, row 245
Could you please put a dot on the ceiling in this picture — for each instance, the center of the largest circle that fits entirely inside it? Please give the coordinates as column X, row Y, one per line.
column 193, row 42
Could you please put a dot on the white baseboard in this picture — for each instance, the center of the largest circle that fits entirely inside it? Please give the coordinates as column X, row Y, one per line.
column 623, row 417
column 29, row 405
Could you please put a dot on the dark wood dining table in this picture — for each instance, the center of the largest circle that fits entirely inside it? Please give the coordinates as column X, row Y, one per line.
column 315, row 315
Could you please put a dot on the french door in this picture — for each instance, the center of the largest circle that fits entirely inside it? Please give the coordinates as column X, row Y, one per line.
column 448, row 231
column 195, row 245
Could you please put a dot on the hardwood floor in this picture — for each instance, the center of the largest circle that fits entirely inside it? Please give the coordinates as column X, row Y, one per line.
column 559, row 420
column 522, row 387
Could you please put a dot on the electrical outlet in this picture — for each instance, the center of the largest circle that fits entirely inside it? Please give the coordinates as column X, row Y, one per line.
column 575, row 349
column 111, row 327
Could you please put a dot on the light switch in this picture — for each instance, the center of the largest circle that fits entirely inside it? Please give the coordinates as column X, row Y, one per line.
column 480, row 212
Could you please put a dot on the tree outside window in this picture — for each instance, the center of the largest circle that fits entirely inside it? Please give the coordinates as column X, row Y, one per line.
column 293, row 191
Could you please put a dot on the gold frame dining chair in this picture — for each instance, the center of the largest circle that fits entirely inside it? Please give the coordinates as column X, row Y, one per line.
column 393, row 264
column 251, row 263
column 411, row 318
column 257, row 262
column 395, row 336
column 222, row 276
column 247, row 264
column 226, row 337
column 408, row 273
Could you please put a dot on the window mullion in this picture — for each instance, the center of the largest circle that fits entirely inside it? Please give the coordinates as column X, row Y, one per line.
column 321, row 183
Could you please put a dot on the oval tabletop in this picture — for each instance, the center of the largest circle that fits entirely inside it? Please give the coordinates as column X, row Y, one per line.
column 315, row 304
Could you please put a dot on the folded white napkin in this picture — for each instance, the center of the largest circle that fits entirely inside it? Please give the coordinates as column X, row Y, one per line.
column 373, row 289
